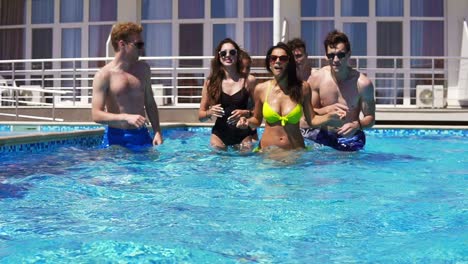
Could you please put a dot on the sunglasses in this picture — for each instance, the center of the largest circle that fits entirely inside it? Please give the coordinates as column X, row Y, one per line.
column 340, row 55
column 282, row 58
column 224, row 53
column 139, row 44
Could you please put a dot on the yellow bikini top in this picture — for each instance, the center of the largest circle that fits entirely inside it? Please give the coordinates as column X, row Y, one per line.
column 293, row 117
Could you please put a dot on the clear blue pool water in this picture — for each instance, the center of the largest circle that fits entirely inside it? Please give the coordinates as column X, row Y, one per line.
column 401, row 200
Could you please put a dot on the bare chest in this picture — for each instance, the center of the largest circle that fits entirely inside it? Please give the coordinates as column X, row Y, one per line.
column 126, row 84
column 346, row 93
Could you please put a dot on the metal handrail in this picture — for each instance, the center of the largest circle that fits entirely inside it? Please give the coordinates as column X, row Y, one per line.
column 180, row 86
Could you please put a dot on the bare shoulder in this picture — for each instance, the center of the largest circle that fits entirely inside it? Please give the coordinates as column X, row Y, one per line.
column 364, row 82
column 103, row 74
column 251, row 78
column 261, row 88
column 317, row 76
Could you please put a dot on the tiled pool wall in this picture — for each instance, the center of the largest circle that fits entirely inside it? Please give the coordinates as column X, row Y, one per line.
column 49, row 137
column 95, row 139
column 46, row 128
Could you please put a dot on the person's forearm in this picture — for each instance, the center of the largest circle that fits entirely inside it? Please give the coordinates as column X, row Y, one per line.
column 204, row 115
column 253, row 122
column 367, row 122
column 107, row 118
column 319, row 120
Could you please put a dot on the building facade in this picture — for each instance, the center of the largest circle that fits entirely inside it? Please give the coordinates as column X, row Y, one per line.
column 400, row 43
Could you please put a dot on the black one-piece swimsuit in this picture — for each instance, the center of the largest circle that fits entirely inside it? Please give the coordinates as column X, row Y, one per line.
column 230, row 134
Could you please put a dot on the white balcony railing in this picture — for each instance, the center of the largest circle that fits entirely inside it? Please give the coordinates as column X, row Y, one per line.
column 178, row 81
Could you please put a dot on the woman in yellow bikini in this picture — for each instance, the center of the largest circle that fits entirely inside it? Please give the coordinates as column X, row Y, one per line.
column 281, row 101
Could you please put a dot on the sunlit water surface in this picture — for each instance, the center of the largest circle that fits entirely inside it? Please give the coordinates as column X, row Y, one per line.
column 401, row 200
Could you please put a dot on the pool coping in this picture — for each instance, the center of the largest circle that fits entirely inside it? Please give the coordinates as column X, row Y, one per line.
column 91, row 133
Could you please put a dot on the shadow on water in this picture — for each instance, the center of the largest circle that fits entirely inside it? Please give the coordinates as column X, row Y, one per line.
column 12, row 191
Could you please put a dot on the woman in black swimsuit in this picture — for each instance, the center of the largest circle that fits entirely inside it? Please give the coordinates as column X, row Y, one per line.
column 225, row 96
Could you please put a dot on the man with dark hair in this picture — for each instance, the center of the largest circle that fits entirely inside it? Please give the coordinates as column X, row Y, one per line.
column 122, row 92
column 339, row 90
column 298, row 48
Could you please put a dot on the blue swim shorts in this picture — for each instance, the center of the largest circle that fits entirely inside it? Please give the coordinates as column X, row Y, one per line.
column 334, row 140
column 127, row 137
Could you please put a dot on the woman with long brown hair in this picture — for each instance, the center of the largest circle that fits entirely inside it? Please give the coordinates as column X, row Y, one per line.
column 281, row 101
column 225, row 95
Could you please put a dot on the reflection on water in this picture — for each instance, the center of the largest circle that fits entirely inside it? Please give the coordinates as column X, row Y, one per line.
column 185, row 202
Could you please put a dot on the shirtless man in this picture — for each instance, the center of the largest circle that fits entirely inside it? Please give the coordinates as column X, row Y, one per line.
column 122, row 92
column 298, row 48
column 339, row 89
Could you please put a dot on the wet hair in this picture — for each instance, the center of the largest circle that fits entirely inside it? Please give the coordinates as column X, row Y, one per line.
column 122, row 31
column 294, row 89
column 217, row 73
column 297, row 43
column 336, row 37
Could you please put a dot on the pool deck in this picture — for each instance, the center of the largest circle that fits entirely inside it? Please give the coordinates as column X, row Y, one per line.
column 384, row 116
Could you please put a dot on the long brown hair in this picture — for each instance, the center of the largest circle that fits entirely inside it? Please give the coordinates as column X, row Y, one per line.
column 217, row 73
column 294, row 89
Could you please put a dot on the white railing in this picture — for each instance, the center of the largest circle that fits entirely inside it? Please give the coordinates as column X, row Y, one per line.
column 178, row 81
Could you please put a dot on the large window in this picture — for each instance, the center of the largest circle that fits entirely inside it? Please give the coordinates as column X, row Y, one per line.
column 71, row 11
column 156, row 9
column 42, row 46
column 102, row 10
column 222, row 31
column 42, row 11
column 258, row 8
column 191, row 9
column 313, row 33
column 355, row 8
column 12, row 44
column 390, row 8
column 12, row 12
column 223, row 8
column 317, row 8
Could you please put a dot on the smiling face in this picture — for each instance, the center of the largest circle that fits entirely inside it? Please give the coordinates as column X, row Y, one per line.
column 338, row 57
column 228, row 55
column 278, row 61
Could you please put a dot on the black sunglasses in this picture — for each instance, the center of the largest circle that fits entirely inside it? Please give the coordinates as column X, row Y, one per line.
column 139, row 44
column 282, row 58
column 340, row 55
column 223, row 53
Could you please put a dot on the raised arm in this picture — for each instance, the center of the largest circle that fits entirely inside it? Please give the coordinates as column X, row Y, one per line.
column 152, row 108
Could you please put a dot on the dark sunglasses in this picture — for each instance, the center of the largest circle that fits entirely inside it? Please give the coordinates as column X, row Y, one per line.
column 224, row 53
column 340, row 55
column 139, row 44
column 282, row 58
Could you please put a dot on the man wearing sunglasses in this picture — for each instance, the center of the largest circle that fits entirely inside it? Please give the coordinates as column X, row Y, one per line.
column 122, row 92
column 298, row 48
column 337, row 89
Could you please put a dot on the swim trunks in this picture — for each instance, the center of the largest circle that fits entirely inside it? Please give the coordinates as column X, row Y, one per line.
column 127, row 137
column 334, row 140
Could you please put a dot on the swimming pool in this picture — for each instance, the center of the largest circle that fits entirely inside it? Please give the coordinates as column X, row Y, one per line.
column 402, row 200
